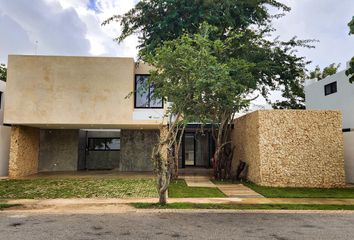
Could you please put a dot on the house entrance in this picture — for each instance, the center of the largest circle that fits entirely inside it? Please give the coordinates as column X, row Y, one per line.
column 196, row 150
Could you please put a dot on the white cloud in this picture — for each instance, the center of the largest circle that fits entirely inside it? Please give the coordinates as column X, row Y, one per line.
column 62, row 27
column 69, row 27
column 324, row 20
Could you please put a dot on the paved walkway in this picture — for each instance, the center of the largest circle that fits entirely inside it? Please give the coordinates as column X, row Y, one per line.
column 198, row 181
column 98, row 201
column 238, row 190
column 230, row 190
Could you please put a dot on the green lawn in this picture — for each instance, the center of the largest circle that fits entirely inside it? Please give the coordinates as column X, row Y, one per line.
column 5, row 205
column 243, row 206
column 77, row 188
column 179, row 189
column 290, row 192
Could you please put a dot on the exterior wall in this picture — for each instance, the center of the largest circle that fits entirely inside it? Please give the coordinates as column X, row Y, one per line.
column 58, row 150
column 75, row 92
column 96, row 160
column 341, row 100
column 295, row 148
column 24, row 150
column 316, row 99
column 5, row 133
column 349, row 156
column 245, row 138
column 136, row 149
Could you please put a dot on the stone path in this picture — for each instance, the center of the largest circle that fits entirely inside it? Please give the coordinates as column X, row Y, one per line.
column 238, row 191
column 230, row 190
column 198, row 181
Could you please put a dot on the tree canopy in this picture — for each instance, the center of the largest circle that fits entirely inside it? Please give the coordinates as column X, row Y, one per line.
column 211, row 56
column 156, row 21
column 296, row 100
column 319, row 74
column 242, row 24
column 3, row 72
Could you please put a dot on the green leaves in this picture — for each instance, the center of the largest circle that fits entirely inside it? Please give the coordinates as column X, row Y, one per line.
column 3, row 72
column 351, row 26
column 231, row 35
column 350, row 71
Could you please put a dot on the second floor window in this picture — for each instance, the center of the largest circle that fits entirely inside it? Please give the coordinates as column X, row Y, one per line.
column 144, row 94
column 330, row 88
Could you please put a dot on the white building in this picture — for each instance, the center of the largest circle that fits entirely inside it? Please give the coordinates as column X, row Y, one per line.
column 336, row 93
column 4, row 135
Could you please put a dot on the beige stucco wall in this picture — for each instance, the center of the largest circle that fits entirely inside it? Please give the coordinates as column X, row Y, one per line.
column 291, row 147
column 73, row 92
column 24, row 149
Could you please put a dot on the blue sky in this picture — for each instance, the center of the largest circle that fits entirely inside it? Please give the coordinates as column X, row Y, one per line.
column 92, row 4
column 73, row 27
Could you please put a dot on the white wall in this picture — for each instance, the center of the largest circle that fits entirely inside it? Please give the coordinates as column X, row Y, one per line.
column 342, row 100
column 4, row 137
column 349, row 156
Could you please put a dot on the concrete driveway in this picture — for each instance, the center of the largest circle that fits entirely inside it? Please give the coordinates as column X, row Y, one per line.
column 174, row 224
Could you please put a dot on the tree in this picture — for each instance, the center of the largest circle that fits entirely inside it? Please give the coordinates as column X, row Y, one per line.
column 350, row 71
column 157, row 21
column 295, row 96
column 3, row 72
column 190, row 73
column 236, row 43
column 327, row 71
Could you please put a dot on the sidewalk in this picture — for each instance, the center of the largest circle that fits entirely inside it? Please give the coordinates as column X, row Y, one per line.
column 96, row 201
column 110, row 205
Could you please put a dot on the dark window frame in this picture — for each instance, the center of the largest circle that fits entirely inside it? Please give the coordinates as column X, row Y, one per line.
column 135, row 94
column 105, row 144
column 330, row 88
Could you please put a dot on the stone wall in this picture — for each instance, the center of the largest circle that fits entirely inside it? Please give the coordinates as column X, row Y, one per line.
column 296, row 148
column 58, row 150
column 24, row 148
column 136, row 149
column 245, row 137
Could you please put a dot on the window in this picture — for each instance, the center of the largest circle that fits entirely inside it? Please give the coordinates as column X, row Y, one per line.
column 0, row 99
column 104, row 144
column 144, row 94
column 330, row 88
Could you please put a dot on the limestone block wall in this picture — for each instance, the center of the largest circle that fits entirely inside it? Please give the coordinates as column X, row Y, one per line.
column 245, row 137
column 24, row 149
column 296, row 148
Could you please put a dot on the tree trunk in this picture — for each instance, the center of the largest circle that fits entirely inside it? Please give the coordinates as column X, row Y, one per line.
column 163, row 198
column 223, row 155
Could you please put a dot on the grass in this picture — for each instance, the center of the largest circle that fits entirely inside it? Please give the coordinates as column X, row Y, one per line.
column 291, row 192
column 179, row 189
column 76, row 188
column 5, row 205
column 243, row 206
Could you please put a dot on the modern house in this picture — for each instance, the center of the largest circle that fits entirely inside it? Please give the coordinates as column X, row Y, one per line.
column 4, row 135
column 337, row 93
column 73, row 113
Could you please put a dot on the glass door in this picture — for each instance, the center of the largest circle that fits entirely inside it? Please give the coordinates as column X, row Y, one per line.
column 189, row 149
